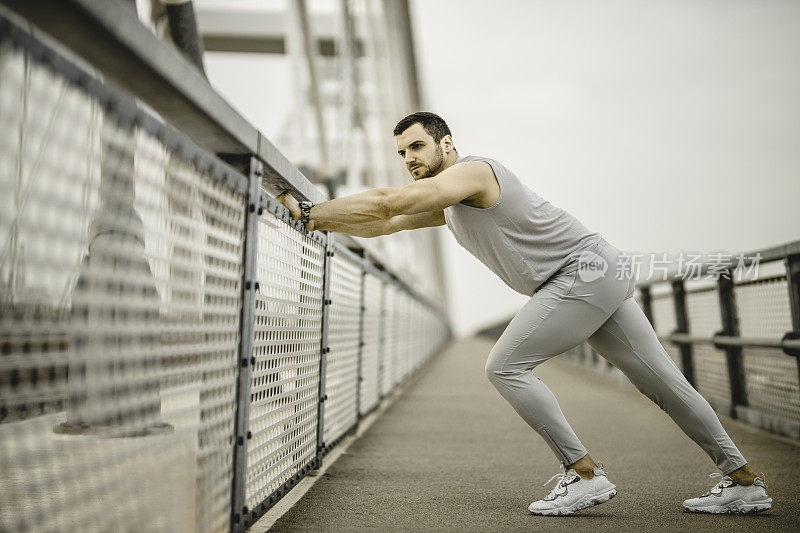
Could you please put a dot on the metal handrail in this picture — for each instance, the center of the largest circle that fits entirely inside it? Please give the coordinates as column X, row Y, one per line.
column 730, row 340
column 773, row 253
column 110, row 37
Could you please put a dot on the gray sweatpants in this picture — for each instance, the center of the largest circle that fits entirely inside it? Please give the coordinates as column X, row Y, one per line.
column 573, row 306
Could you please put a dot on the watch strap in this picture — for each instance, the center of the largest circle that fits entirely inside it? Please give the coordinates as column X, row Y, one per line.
column 305, row 211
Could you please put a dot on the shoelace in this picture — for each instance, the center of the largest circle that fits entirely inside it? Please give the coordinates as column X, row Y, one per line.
column 562, row 478
column 717, row 474
column 561, row 475
column 721, row 483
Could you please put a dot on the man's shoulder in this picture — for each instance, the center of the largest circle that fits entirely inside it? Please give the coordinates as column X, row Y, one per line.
column 466, row 158
column 494, row 163
column 499, row 170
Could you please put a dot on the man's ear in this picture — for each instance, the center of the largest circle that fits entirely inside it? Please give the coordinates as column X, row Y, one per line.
column 447, row 140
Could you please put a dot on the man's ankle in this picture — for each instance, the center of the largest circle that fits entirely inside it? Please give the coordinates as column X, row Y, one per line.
column 584, row 467
column 742, row 479
column 743, row 476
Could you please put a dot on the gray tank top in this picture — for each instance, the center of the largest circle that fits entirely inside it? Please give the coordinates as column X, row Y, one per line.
column 522, row 238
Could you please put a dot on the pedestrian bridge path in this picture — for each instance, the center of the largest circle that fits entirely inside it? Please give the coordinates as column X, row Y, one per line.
column 450, row 454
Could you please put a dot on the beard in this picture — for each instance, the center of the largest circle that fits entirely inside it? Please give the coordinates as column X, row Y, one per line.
column 435, row 165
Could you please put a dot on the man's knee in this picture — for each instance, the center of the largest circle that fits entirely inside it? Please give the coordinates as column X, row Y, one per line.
column 491, row 369
column 494, row 365
column 496, row 368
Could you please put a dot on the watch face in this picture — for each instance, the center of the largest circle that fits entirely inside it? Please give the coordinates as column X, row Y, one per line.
column 305, row 211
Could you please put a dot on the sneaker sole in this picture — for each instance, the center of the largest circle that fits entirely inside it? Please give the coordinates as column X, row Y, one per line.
column 589, row 500
column 734, row 507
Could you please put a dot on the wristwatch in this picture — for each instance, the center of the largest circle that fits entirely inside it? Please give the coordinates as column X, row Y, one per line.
column 305, row 211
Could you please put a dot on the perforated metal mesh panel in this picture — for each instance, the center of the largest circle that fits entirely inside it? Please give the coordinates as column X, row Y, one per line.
column 371, row 351
column 284, row 394
column 663, row 309
column 771, row 377
column 416, row 336
column 343, row 339
column 664, row 322
column 432, row 330
column 763, row 308
column 771, row 382
column 702, row 311
column 390, row 340
column 704, row 320
column 403, row 335
column 711, row 374
column 119, row 316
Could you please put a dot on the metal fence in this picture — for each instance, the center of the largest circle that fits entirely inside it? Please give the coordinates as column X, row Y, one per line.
column 176, row 353
column 735, row 338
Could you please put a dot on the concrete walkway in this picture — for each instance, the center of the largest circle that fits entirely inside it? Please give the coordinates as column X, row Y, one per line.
column 452, row 455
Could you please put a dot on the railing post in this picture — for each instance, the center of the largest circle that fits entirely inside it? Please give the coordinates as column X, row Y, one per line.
column 793, row 278
column 647, row 304
column 362, row 308
column 382, row 338
column 246, row 360
column 682, row 326
column 324, row 348
column 730, row 327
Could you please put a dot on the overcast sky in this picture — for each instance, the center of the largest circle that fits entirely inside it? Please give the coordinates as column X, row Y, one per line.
column 667, row 126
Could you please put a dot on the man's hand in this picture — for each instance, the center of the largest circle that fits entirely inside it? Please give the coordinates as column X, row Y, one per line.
column 291, row 203
column 294, row 207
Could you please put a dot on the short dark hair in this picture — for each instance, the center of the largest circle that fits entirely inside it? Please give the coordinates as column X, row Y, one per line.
column 433, row 124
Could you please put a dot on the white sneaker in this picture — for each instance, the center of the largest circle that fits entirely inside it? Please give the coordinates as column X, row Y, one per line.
column 730, row 497
column 573, row 493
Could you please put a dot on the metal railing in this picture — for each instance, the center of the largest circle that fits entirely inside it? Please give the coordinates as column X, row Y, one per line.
column 734, row 338
column 176, row 352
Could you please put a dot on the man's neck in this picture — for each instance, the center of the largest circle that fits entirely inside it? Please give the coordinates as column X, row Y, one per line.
column 450, row 160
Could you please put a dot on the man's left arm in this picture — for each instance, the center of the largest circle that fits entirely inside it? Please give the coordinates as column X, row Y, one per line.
column 428, row 194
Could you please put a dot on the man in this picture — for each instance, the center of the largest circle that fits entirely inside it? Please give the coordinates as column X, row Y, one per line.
column 540, row 250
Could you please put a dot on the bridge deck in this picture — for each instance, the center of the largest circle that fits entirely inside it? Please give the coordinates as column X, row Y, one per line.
column 450, row 454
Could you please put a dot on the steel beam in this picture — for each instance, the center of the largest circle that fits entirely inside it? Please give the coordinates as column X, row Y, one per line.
column 263, row 31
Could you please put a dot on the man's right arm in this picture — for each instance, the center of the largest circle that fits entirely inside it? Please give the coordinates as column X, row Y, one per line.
column 386, row 226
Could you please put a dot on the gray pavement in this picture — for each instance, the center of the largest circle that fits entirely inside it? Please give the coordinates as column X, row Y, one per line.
column 452, row 455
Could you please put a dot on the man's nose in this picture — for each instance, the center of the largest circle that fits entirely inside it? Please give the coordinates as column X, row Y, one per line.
column 409, row 159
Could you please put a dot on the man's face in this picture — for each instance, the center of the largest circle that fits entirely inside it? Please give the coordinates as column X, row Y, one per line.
column 422, row 156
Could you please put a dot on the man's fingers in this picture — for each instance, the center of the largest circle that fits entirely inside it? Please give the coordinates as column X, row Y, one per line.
column 284, row 197
column 290, row 203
